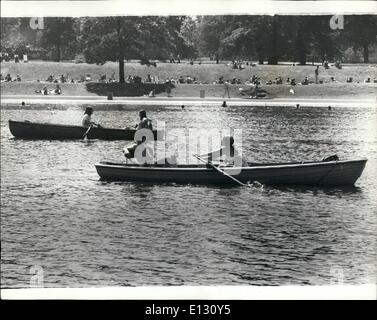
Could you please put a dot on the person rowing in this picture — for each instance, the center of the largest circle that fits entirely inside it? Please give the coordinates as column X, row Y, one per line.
column 87, row 118
column 227, row 154
column 145, row 123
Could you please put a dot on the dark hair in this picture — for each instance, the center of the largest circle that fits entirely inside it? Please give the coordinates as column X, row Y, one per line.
column 88, row 110
column 142, row 114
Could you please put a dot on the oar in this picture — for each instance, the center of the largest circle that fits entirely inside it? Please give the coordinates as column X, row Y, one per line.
column 86, row 132
column 221, row 171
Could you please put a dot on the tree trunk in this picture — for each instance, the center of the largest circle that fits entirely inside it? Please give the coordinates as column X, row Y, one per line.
column 273, row 56
column 300, row 43
column 366, row 53
column 121, row 68
column 58, row 49
column 121, row 51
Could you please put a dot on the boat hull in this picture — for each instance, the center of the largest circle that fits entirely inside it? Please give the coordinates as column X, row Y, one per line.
column 47, row 131
column 332, row 173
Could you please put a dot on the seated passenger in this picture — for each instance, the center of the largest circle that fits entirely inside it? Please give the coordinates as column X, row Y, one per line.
column 227, row 154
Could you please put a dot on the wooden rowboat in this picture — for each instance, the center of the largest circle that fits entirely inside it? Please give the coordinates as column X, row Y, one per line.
column 33, row 130
column 323, row 173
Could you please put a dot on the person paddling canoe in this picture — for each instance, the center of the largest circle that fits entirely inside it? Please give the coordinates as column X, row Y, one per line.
column 227, row 154
column 145, row 122
column 87, row 118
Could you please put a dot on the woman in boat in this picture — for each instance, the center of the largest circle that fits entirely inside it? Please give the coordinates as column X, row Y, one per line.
column 227, row 154
column 87, row 118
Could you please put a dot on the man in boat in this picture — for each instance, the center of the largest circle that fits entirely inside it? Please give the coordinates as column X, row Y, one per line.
column 145, row 123
column 87, row 118
column 227, row 154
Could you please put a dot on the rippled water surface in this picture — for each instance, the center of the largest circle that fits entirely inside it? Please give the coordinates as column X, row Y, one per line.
column 57, row 214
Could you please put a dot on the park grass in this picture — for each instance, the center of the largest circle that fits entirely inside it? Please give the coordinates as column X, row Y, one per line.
column 206, row 73
column 336, row 90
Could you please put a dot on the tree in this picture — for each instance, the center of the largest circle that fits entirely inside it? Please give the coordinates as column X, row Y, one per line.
column 119, row 38
column 12, row 40
column 361, row 31
column 211, row 29
column 253, row 36
column 189, row 32
column 58, row 33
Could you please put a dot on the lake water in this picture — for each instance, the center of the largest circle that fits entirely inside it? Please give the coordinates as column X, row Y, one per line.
column 58, row 215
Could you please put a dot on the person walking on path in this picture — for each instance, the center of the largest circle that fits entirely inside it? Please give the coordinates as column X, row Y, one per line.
column 316, row 74
column 226, row 89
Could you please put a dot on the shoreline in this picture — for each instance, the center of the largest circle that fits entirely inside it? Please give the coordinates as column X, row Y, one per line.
column 11, row 100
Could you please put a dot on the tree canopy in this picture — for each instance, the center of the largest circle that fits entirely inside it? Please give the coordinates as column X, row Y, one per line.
column 256, row 38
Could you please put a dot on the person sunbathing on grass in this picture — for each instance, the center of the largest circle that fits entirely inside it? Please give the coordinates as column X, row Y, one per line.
column 44, row 91
column 58, row 90
column 250, row 90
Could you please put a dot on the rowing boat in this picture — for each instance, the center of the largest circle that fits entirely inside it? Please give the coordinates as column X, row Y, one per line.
column 321, row 173
column 34, row 130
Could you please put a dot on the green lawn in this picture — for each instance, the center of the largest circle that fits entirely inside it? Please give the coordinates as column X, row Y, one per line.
column 37, row 70
column 206, row 73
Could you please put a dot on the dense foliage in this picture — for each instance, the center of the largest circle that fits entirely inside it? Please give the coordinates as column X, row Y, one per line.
column 256, row 38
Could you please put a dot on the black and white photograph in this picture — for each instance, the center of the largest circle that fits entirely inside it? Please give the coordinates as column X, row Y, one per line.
column 175, row 150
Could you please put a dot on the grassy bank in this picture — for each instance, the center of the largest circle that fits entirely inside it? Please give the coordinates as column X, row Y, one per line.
column 336, row 90
column 32, row 71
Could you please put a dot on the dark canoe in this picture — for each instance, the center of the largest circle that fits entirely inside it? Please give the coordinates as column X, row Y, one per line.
column 33, row 130
column 331, row 173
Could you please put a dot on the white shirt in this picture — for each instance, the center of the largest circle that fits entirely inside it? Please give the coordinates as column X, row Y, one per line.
column 86, row 120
